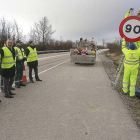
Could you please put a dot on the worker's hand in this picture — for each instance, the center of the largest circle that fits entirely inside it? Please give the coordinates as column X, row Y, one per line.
column 131, row 9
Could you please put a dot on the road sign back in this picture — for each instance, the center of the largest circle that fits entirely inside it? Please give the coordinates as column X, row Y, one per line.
column 130, row 29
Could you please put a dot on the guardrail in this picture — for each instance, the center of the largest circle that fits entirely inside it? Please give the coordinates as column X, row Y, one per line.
column 52, row 51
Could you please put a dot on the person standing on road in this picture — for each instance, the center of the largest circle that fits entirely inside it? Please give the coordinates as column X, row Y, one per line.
column 32, row 61
column 1, row 76
column 20, row 58
column 8, row 67
column 131, row 65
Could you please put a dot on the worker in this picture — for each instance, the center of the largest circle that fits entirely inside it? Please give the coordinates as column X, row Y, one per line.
column 20, row 58
column 32, row 61
column 8, row 67
column 131, row 64
column 0, row 74
column 138, row 14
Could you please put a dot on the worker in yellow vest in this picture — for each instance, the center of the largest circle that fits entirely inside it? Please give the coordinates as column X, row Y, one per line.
column 131, row 64
column 32, row 61
column 8, row 67
column 20, row 58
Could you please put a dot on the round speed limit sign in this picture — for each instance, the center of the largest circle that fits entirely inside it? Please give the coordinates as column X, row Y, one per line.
column 130, row 29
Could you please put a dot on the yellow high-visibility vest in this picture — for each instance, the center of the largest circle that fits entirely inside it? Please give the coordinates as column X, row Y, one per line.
column 131, row 56
column 19, row 53
column 7, row 60
column 32, row 55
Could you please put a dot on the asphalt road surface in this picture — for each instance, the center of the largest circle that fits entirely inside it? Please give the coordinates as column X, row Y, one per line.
column 73, row 102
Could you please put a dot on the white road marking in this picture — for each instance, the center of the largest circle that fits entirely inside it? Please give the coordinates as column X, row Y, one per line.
column 52, row 67
column 48, row 57
column 51, row 56
column 48, row 69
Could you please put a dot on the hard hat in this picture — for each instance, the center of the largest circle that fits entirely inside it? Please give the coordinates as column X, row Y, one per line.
column 132, row 46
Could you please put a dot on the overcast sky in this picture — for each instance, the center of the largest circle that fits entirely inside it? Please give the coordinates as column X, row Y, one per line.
column 71, row 19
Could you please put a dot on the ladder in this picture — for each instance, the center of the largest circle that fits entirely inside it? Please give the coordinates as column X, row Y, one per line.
column 120, row 67
column 118, row 73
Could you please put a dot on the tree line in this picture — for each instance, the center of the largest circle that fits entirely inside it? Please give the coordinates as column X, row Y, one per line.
column 41, row 33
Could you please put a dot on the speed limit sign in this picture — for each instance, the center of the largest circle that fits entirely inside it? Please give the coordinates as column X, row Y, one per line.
column 130, row 29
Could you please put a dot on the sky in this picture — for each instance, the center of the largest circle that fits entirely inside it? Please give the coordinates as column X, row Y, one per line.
column 71, row 19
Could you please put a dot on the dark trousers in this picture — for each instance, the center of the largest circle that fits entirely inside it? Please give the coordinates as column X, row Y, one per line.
column 7, row 84
column 2, row 84
column 19, row 73
column 36, row 72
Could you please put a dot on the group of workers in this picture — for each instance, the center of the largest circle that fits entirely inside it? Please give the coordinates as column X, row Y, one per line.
column 13, row 58
column 131, row 64
column 12, row 65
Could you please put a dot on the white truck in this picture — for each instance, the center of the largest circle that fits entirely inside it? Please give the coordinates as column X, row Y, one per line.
column 84, row 52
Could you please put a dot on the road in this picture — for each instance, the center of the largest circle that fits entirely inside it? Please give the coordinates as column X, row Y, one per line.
column 73, row 102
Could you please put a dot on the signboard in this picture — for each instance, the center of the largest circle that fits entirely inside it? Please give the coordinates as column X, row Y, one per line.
column 130, row 29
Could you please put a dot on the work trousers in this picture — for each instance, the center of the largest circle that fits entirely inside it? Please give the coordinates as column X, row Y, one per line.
column 35, row 71
column 130, row 74
column 2, row 84
column 7, row 85
column 19, row 73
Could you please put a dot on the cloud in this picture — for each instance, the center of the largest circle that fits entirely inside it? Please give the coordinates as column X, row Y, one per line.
column 72, row 19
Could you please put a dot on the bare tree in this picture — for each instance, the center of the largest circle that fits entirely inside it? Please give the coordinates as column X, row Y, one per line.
column 10, row 30
column 42, row 31
column 17, row 31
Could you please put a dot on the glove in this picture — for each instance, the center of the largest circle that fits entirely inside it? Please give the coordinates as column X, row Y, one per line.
column 131, row 9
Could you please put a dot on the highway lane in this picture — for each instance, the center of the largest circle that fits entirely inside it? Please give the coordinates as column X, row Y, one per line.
column 74, row 102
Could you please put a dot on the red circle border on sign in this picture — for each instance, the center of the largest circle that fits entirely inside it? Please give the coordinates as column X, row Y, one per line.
column 121, row 29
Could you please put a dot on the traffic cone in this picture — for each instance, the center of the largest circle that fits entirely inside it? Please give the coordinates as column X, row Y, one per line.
column 24, row 79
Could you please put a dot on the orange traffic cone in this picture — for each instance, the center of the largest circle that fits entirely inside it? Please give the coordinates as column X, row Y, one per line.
column 24, row 79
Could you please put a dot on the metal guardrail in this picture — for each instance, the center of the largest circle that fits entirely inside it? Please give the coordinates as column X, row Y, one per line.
column 52, row 51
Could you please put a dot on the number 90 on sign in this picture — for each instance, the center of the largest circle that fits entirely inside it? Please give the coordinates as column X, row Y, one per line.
column 130, row 29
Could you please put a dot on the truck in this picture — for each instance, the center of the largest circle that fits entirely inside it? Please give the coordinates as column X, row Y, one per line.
column 84, row 52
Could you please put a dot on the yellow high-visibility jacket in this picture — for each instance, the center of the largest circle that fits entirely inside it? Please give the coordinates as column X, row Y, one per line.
column 32, row 55
column 19, row 53
column 131, row 56
column 7, row 60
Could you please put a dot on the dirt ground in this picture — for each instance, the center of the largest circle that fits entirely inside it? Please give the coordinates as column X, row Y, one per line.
column 110, row 62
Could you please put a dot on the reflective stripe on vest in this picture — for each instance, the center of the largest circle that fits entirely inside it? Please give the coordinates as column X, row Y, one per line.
column 131, row 62
column 7, row 60
column 32, row 55
column 19, row 53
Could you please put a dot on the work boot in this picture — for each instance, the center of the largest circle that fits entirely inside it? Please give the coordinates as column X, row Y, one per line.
column 31, row 81
column 133, row 96
column 12, row 88
column 38, row 79
column 12, row 93
column 8, row 96
column 22, row 84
